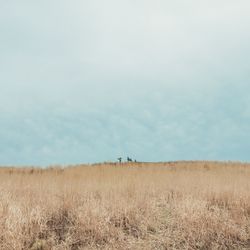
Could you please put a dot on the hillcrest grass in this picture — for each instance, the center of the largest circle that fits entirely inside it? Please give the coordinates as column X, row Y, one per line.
column 176, row 205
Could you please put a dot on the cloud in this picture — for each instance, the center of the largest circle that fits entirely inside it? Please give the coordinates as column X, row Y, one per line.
column 92, row 80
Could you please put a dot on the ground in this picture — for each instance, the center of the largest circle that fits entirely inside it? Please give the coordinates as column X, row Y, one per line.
column 176, row 205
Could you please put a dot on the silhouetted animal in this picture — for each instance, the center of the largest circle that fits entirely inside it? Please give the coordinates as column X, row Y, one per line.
column 129, row 159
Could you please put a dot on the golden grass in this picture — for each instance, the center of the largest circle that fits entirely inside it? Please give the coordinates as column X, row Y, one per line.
column 185, row 205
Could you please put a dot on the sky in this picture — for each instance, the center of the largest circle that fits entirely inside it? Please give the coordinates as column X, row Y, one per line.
column 88, row 81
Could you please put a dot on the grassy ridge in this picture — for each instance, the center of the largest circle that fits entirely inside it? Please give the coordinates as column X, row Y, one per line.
column 176, row 205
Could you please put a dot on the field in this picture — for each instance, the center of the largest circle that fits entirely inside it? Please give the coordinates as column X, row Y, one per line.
column 178, row 205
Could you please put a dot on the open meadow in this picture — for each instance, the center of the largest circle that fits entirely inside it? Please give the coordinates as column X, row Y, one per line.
column 178, row 205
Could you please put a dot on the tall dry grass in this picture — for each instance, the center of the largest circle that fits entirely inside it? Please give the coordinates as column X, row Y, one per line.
column 185, row 205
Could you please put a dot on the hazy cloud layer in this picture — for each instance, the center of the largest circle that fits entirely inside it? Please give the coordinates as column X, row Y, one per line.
column 92, row 80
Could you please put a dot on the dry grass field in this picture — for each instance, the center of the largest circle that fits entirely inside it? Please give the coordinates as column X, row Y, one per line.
column 184, row 205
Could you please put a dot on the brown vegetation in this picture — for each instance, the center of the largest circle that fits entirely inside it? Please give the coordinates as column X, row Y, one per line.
column 185, row 205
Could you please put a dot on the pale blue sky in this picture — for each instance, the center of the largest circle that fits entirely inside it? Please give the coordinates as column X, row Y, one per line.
column 89, row 81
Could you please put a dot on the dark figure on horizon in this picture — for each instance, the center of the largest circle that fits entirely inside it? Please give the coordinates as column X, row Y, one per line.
column 120, row 159
column 129, row 159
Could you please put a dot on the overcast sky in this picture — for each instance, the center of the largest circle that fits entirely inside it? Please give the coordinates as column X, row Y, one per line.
column 89, row 81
